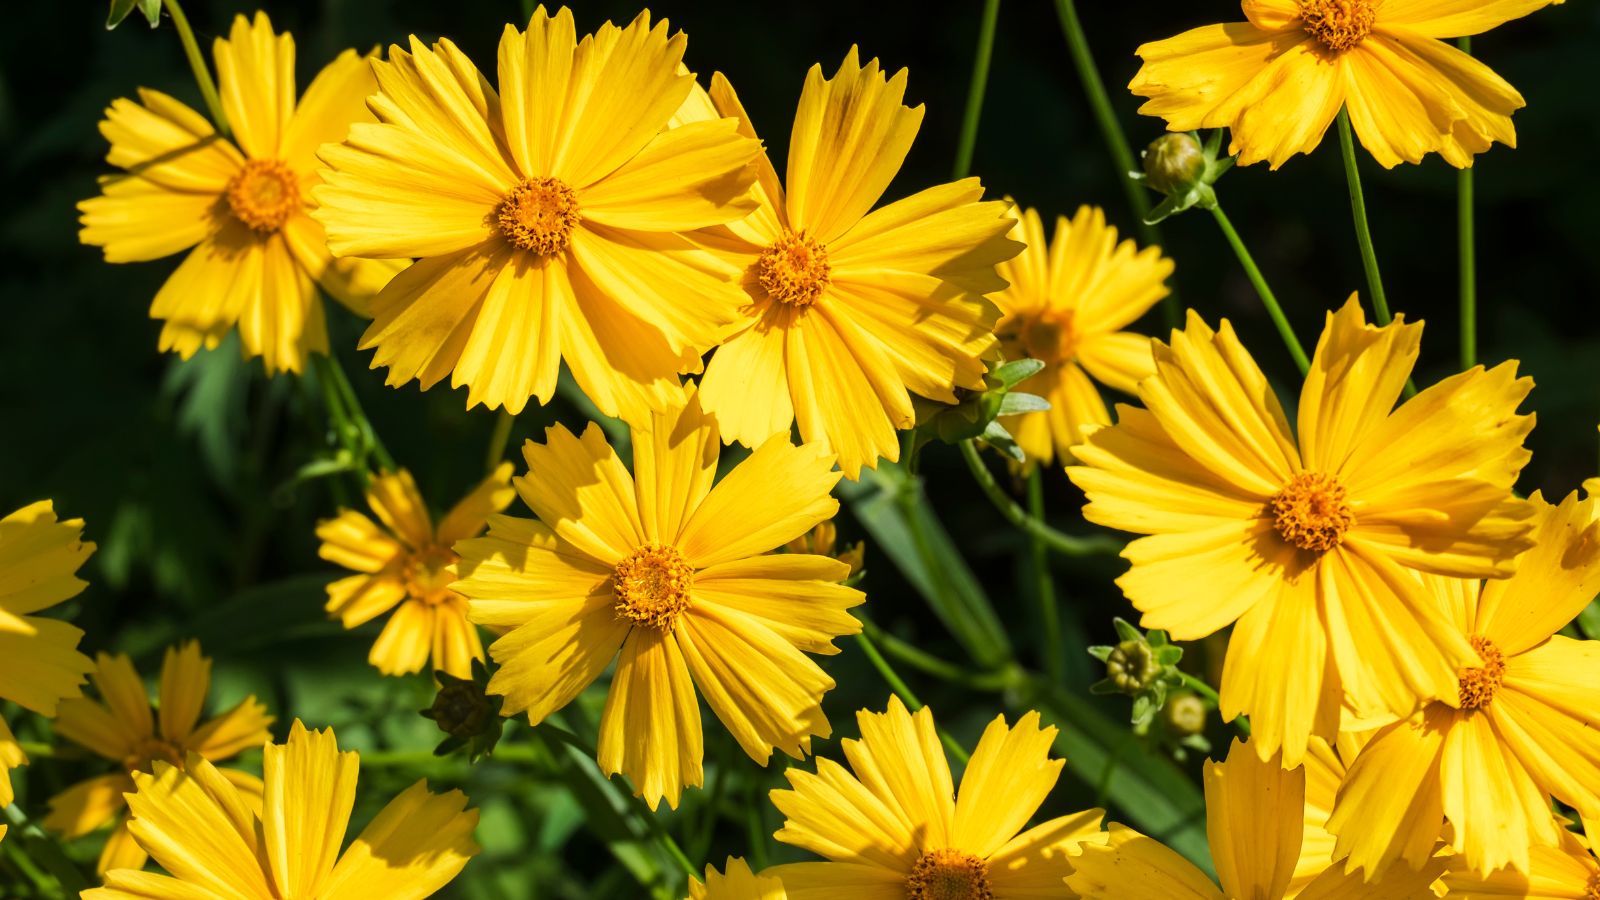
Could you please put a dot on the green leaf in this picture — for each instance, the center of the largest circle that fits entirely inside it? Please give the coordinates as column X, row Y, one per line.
column 1015, row 404
column 1016, row 371
column 895, row 512
column 1589, row 621
column 121, row 8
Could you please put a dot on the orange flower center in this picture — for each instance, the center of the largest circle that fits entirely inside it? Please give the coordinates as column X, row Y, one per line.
column 949, row 875
column 539, row 215
column 1478, row 685
column 150, row 751
column 1045, row 336
column 1311, row 512
column 1338, row 24
column 794, row 270
column 652, row 585
column 264, row 195
column 427, row 573
column 1593, row 892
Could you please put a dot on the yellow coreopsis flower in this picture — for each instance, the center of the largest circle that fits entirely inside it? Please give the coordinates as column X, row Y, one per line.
column 1279, row 79
column 1259, row 818
column 850, row 310
column 738, row 883
column 674, row 573
column 1569, row 871
column 123, row 728
column 195, row 824
column 898, row 827
column 39, row 660
column 1309, row 541
column 242, row 205
column 1523, row 727
column 1068, row 302
column 546, row 221
column 406, row 565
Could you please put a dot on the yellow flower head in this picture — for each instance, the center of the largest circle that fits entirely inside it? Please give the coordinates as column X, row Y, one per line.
column 848, row 308
column 1265, row 827
column 123, row 728
column 675, row 574
column 39, row 659
column 1523, row 727
column 1569, row 870
column 197, row 826
column 260, row 256
column 406, row 565
column 893, row 829
column 1278, row 79
column 1309, row 541
column 547, row 217
column 739, row 883
column 1068, row 302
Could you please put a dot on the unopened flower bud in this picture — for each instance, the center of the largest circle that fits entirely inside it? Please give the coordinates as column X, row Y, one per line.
column 1174, row 162
column 1185, row 714
column 1132, row 666
column 460, row 708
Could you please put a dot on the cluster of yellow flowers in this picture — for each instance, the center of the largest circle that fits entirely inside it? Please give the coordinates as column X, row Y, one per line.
column 1394, row 605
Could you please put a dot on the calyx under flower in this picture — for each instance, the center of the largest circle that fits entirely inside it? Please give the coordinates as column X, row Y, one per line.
column 1179, row 166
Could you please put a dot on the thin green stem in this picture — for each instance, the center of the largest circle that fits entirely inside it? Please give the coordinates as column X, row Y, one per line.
column 1358, row 209
column 1268, row 299
column 46, row 851
column 943, row 670
column 903, row 691
column 1044, row 587
column 1467, row 254
column 499, row 439
column 1116, row 141
column 1065, row 544
column 975, row 89
column 197, row 62
column 358, row 417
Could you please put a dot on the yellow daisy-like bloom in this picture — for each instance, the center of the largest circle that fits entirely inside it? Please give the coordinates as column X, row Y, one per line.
column 547, row 217
column 258, row 256
column 39, row 660
column 1279, row 79
column 197, row 826
column 406, row 565
column 739, row 883
column 1259, row 819
column 897, row 829
column 1569, row 871
column 1310, row 543
column 850, row 309
column 674, row 573
column 1524, row 726
column 1068, row 302
column 123, row 728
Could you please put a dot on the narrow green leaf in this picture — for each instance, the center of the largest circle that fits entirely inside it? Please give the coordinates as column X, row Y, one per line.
column 119, row 11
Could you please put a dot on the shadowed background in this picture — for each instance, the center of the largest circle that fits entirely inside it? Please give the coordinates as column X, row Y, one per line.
column 184, row 472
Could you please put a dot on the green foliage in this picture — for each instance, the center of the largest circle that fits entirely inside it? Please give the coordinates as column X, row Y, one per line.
column 121, row 8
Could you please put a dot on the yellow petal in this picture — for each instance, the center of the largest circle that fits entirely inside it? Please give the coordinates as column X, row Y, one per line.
column 1120, row 360
column 470, row 515
column 513, row 351
column 89, row 724
column 1035, row 862
column 519, row 568
column 1485, row 100
column 1356, row 376
column 1204, row 77
column 351, row 281
column 1560, row 674
column 851, row 133
column 185, row 681
column 739, row 883
column 766, row 692
column 1390, row 806
column 793, row 484
column 558, row 651
column 796, row 595
column 1547, row 752
column 1456, row 18
column 1552, row 873
column 242, row 727
column 311, row 786
column 137, row 220
column 825, row 881
column 941, row 231
column 935, row 333
column 121, row 850
column 39, row 557
column 831, row 813
column 579, row 487
column 650, row 728
column 1553, row 582
column 1253, row 821
column 1495, row 807
column 1130, row 866
column 88, row 805
column 535, row 71
column 1007, row 779
column 1399, row 883
column 692, row 176
column 354, row 541
column 334, row 100
column 1301, row 94
column 283, row 320
column 422, row 319
column 169, row 144
column 899, row 758
column 406, row 640
column 624, row 365
column 1398, row 107
column 674, row 463
column 746, row 383
column 412, row 848
column 11, row 756
column 196, row 826
column 847, row 395
column 395, row 500
column 1242, row 559
column 359, row 599
column 40, row 668
column 455, row 640
column 255, row 79
column 210, row 289
column 1278, row 671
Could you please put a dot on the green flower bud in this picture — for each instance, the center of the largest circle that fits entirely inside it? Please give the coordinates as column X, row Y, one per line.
column 1132, row 666
column 1185, row 715
column 1174, row 162
column 466, row 712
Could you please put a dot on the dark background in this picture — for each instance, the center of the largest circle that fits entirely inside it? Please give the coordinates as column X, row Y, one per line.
column 183, row 472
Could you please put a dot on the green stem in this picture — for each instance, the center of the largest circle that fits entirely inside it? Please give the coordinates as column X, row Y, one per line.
column 1358, row 209
column 1116, row 141
column 197, row 62
column 903, row 691
column 499, row 439
column 46, row 851
column 932, row 665
column 1044, row 587
column 1267, row 298
column 980, row 81
column 358, row 417
column 1065, row 544
column 1467, row 245
column 1210, row 694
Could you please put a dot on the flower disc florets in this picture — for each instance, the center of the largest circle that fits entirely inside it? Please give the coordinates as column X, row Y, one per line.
column 1479, row 684
column 264, row 194
column 538, row 215
column 1311, row 512
column 795, row 270
column 652, row 585
column 949, row 875
column 150, row 751
column 1338, row 24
